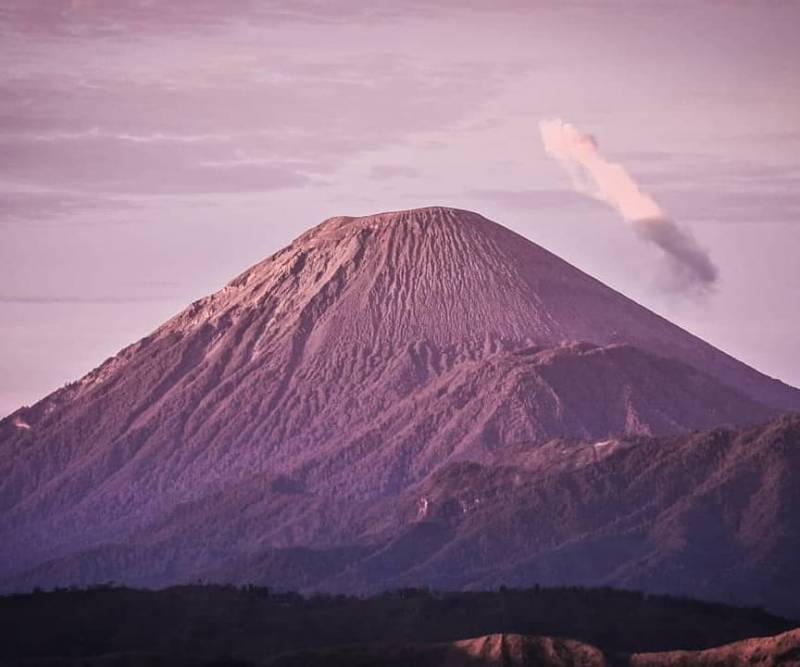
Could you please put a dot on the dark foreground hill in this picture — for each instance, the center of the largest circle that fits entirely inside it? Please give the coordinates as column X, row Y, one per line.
column 198, row 624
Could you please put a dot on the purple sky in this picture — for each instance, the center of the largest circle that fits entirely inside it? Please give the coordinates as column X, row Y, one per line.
column 152, row 150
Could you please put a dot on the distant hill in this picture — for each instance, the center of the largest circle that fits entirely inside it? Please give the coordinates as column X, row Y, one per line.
column 709, row 514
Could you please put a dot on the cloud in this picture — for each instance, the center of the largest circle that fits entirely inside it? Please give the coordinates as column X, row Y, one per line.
column 30, row 205
column 744, row 204
column 528, row 198
column 154, row 17
column 48, row 299
column 274, row 124
column 386, row 172
column 594, row 176
column 101, row 164
column 154, row 138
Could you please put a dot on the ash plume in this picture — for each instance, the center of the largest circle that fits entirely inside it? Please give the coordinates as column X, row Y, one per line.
column 594, row 176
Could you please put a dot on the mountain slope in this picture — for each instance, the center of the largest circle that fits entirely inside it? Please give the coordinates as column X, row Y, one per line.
column 348, row 368
column 711, row 515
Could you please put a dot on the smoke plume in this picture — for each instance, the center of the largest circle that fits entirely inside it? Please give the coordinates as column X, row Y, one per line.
column 594, row 176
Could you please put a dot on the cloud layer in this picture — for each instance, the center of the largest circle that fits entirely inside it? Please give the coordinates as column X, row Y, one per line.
column 594, row 176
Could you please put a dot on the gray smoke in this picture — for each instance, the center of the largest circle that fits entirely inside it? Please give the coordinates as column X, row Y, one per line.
column 691, row 263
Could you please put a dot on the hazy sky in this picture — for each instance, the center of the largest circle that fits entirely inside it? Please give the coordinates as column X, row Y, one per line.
column 152, row 150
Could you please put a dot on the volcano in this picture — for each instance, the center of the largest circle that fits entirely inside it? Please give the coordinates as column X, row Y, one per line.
column 299, row 421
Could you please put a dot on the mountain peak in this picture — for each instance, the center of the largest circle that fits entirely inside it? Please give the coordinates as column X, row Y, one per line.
column 348, row 367
column 425, row 220
column 420, row 215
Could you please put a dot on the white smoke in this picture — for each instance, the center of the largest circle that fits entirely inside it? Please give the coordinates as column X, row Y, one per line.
column 594, row 176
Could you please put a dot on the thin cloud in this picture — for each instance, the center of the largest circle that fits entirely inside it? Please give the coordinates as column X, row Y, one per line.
column 100, row 18
column 153, row 138
column 49, row 299
column 385, row 172
column 143, row 136
column 531, row 198
column 30, row 205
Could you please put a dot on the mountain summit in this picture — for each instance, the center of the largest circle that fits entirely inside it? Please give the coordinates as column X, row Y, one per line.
column 346, row 369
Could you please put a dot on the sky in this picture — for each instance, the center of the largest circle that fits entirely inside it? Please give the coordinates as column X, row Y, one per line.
column 151, row 150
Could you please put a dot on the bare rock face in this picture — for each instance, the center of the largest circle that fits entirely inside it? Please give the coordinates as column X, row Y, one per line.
column 334, row 376
column 497, row 650
column 780, row 650
column 509, row 650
